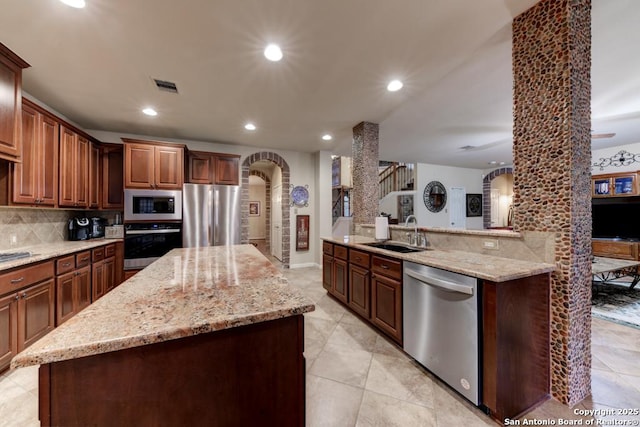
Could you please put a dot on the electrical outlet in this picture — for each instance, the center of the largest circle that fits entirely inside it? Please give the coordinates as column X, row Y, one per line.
column 13, row 239
column 490, row 244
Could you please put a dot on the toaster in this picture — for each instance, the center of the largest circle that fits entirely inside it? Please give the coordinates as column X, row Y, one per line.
column 79, row 229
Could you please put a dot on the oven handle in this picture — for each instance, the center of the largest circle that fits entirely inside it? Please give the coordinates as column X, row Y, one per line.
column 152, row 231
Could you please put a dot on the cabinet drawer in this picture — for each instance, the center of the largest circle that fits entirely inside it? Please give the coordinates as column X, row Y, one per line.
column 622, row 250
column 66, row 264
column 327, row 248
column 340, row 252
column 97, row 254
column 387, row 267
column 359, row 258
column 110, row 250
column 16, row 279
column 83, row 258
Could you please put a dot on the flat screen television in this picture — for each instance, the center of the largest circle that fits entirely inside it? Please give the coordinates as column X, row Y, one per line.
column 616, row 218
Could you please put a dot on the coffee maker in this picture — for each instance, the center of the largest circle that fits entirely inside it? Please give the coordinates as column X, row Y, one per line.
column 97, row 227
column 78, row 228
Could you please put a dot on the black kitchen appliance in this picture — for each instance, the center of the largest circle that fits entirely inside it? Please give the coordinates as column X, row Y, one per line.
column 97, row 227
column 79, row 228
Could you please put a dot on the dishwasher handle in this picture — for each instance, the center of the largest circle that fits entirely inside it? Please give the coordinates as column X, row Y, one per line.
column 439, row 283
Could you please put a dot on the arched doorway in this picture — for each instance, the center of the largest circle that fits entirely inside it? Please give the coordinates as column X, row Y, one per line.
column 486, row 194
column 267, row 202
column 282, row 164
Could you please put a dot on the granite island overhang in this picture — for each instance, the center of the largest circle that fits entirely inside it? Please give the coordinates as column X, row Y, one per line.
column 211, row 334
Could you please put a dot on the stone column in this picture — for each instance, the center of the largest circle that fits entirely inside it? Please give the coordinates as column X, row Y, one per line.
column 364, row 197
column 552, row 155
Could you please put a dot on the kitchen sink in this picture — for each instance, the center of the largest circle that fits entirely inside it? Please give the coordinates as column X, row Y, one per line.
column 395, row 247
column 10, row 256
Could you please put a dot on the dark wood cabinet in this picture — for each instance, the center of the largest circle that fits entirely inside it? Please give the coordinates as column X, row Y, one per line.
column 74, row 169
column 94, row 176
column 27, row 308
column 515, row 350
column 119, row 263
column 386, row 295
column 153, row 165
column 360, row 291
column 11, row 66
column 8, row 329
column 227, row 168
column 112, row 156
column 103, row 270
column 360, row 283
column 615, row 249
column 623, row 184
column 336, row 278
column 73, row 285
column 35, row 313
column 213, row 168
column 35, row 177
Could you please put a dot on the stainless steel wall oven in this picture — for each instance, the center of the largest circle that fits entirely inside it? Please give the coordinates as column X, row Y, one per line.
column 147, row 241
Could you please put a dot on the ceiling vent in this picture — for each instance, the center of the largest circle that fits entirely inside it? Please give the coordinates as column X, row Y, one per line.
column 166, row 86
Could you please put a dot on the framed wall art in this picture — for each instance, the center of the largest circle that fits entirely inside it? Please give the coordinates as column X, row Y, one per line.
column 302, row 232
column 474, row 205
column 254, row 208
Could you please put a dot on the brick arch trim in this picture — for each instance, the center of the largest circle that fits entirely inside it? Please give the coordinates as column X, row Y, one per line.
column 286, row 228
column 267, row 203
column 486, row 194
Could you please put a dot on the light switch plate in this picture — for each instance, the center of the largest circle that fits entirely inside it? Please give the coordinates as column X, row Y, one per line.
column 490, row 244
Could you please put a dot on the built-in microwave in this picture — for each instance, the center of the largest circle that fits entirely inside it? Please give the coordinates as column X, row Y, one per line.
column 152, row 205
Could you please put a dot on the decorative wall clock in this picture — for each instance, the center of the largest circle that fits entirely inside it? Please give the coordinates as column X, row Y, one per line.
column 434, row 196
column 300, row 196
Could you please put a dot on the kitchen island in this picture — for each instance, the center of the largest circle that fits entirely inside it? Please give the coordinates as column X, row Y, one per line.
column 203, row 336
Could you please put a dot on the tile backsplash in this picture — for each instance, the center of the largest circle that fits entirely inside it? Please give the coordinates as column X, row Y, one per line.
column 31, row 226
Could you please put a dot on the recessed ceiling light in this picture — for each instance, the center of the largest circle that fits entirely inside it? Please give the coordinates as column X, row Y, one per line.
column 394, row 85
column 78, row 4
column 150, row 111
column 273, row 52
column 250, row 126
column 327, row 137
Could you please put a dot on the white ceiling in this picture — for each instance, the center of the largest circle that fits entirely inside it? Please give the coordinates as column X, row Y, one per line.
column 96, row 65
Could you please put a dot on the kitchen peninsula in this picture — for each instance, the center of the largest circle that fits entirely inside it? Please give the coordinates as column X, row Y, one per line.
column 381, row 281
column 203, row 336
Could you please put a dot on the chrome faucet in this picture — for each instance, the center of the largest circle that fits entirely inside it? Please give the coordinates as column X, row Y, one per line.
column 413, row 241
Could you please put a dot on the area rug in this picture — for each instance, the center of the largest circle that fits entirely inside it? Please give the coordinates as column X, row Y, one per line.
column 616, row 303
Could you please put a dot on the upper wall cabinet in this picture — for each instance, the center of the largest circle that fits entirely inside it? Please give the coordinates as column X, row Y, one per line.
column 74, row 169
column 153, row 165
column 112, row 174
column 35, row 178
column 213, row 168
column 615, row 185
column 11, row 66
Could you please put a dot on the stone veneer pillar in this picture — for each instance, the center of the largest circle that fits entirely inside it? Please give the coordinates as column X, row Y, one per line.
column 364, row 198
column 552, row 154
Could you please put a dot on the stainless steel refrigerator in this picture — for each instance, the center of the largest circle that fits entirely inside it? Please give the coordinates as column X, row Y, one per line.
column 210, row 215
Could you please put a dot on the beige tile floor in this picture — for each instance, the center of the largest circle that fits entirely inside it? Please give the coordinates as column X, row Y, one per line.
column 355, row 377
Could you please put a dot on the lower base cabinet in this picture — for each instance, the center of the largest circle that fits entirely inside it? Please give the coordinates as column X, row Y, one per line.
column 27, row 310
column 386, row 306
column 73, row 293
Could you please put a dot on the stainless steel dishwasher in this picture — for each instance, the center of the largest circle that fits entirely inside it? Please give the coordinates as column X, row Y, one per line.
column 441, row 332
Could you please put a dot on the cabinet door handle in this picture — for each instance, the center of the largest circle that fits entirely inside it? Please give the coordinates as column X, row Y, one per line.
column 66, row 264
column 18, row 280
column 85, row 259
column 17, row 297
column 358, row 258
column 386, row 267
column 24, row 295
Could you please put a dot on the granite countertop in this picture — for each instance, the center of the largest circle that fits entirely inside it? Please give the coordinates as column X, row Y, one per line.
column 47, row 251
column 486, row 267
column 184, row 293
